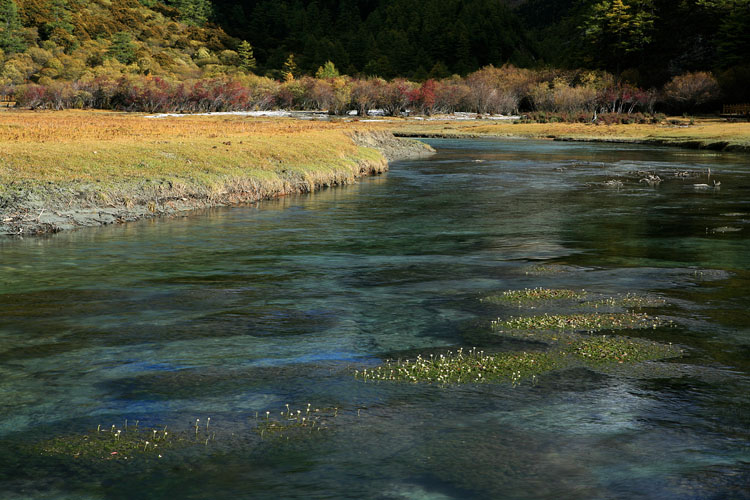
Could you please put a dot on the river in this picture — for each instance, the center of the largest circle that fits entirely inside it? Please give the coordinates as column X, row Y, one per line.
column 234, row 312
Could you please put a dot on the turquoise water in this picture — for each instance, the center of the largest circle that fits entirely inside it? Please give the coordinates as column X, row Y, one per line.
column 230, row 312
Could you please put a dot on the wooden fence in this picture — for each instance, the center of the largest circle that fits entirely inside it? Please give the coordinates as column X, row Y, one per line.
column 736, row 109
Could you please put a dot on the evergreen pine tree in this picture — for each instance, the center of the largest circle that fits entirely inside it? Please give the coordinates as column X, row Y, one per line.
column 195, row 12
column 122, row 48
column 247, row 57
column 10, row 26
column 617, row 29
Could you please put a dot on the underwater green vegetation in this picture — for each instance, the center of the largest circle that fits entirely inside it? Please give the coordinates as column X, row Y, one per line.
column 565, row 340
column 547, row 269
column 455, row 367
column 589, row 322
column 568, row 341
column 294, row 422
column 476, row 366
column 132, row 442
column 578, row 298
column 608, row 349
column 628, row 301
column 127, row 442
column 532, row 295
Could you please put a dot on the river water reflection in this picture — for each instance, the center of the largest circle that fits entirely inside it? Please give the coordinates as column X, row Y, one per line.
column 244, row 310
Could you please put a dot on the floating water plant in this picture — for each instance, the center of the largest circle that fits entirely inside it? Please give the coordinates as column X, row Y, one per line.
column 462, row 366
column 580, row 322
column 547, row 269
column 532, row 295
column 294, row 422
column 473, row 366
column 628, row 301
column 605, row 349
column 129, row 442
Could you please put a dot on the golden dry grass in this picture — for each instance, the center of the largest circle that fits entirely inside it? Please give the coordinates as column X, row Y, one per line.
column 103, row 146
column 703, row 130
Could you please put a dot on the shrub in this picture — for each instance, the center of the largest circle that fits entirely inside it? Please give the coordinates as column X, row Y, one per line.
column 451, row 96
column 365, row 94
column 394, row 96
column 691, row 91
column 499, row 90
column 424, row 98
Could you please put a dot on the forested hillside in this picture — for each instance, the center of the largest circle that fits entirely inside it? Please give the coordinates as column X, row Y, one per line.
column 646, row 41
column 386, row 38
column 576, row 44
column 42, row 40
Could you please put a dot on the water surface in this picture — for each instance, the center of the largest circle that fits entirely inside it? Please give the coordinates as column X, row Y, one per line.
column 243, row 310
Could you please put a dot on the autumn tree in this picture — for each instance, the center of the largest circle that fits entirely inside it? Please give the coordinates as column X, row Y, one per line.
column 290, row 68
column 328, row 70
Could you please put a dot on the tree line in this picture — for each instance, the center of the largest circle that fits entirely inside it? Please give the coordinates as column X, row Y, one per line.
column 641, row 43
column 582, row 96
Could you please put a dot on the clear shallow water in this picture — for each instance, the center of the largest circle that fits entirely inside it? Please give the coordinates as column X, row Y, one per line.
column 244, row 310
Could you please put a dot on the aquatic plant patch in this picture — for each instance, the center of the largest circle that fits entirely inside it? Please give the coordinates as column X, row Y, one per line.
column 580, row 322
column 294, row 422
column 547, row 269
column 627, row 301
column 605, row 349
column 473, row 366
column 131, row 442
column 455, row 367
column 127, row 442
column 533, row 295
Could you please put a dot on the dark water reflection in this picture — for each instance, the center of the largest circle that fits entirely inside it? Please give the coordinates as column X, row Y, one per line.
column 243, row 310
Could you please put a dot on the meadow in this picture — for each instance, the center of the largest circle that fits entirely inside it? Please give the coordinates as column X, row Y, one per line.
column 56, row 166
column 696, row 133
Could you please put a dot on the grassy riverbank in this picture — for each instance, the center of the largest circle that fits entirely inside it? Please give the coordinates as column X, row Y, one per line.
column 60, row 170
column 697, row 133
column 67, row 169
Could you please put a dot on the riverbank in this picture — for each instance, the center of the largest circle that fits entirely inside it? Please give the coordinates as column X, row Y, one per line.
column 65, row 170
column 62, row 170
column 694, row 133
